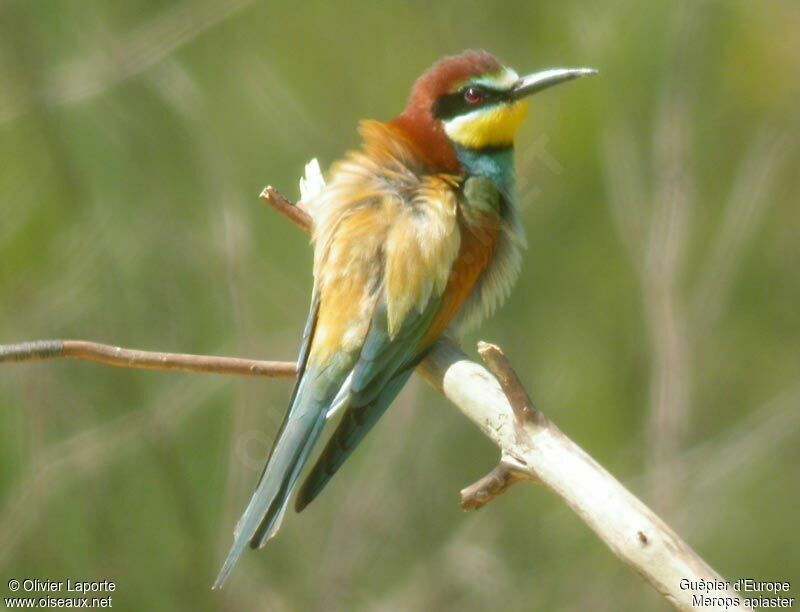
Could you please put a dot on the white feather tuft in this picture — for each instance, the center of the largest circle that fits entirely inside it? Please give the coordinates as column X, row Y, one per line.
column 311, row 184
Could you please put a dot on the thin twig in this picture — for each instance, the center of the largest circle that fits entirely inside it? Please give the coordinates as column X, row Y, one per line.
column 295, row 214
column 144, row 360
column 494, row 484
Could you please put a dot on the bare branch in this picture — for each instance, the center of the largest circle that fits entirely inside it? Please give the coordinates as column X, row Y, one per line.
column 144, row 360
column 630, row 529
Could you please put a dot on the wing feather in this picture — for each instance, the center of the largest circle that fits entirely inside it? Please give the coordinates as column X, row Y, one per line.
column 428, row 275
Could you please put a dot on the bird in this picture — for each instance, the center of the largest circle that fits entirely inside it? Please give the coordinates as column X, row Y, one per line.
column 416, row 234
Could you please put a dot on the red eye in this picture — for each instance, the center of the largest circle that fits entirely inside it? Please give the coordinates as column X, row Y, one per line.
column 473, row 95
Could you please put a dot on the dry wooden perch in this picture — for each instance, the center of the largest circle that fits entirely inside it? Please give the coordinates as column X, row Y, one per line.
column 532, row 448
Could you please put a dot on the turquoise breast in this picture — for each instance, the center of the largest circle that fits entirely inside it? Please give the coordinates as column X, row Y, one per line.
column 496, row 164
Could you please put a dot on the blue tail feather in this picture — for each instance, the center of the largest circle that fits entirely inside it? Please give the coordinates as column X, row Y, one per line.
column 262, row 517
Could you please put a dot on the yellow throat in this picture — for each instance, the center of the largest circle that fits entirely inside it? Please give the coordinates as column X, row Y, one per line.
column 488, row 127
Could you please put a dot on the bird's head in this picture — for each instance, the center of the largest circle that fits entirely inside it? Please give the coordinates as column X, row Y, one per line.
column 474, row 102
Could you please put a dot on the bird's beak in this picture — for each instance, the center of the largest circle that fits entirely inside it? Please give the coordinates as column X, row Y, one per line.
column 538, row 81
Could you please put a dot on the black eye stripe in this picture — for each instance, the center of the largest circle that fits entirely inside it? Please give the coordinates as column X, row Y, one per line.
column 454, row 104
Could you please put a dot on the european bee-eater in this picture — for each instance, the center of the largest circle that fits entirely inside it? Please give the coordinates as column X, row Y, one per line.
column 415, row 233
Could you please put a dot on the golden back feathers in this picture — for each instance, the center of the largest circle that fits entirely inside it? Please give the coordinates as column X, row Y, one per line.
column 382, row 225
column 386, row 227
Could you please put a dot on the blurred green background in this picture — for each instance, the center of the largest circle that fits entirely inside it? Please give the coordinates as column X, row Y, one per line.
column 656, row 319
